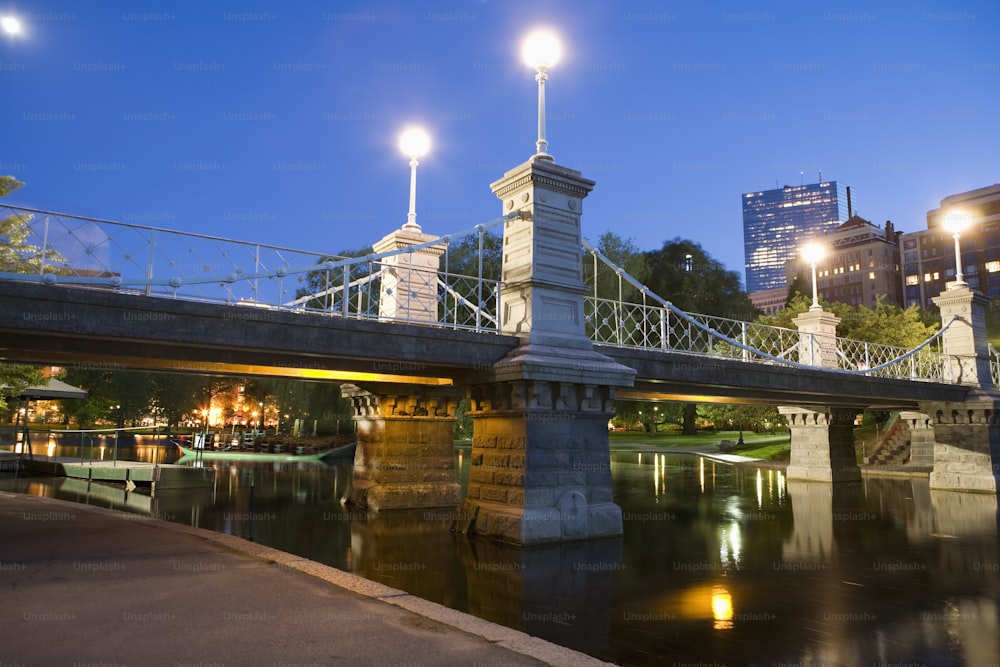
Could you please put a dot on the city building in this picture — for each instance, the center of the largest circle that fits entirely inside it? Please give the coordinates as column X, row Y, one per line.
column 775, row 223
column 929, row 255
column 860, row 263
column 769, row 301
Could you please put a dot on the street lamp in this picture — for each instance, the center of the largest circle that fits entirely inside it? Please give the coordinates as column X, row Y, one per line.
column 414, row 143
column 956, row 222
column 812, row 253
column 541, row 50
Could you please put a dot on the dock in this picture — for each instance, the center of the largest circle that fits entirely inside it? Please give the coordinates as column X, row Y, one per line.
column 131, row 474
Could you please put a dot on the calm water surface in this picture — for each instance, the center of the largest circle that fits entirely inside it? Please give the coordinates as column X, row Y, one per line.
column 718, row 564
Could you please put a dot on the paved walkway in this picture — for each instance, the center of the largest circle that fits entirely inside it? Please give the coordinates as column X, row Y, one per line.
column 84, row 586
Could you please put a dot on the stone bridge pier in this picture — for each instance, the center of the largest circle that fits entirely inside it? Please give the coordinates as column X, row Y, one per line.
column 822, row 436
column 540, row 469
column 405, row 451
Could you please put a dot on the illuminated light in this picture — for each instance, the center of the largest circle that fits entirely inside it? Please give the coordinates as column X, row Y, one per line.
column 701, row 472
column 760, row 489
column 11, row 25
column 541, row 49
column 722, row 608
column 956, row 222
column 414, row 142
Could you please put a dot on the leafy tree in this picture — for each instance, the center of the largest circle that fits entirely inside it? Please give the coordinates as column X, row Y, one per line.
column 463, row 256
column 17, row 253
column 800, row 286
column 15, row 378
column 328, row 284
column 623, row 253
column 885, row 324
column 684, row 274
column 175, row 395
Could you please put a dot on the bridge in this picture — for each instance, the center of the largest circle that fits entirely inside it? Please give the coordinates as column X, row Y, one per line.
column 541, row 350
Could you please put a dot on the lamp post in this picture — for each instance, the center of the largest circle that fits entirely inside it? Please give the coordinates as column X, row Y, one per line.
column 812, row 253
column 541, row 50
column 956, row 222
column 414, row 143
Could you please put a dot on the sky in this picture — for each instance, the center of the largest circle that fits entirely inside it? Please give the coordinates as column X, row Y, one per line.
column 278, row 122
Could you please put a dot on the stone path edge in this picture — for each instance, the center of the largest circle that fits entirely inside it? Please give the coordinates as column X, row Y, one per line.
column 513, row 640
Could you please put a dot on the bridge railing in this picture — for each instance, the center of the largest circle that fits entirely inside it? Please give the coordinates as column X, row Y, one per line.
column 75, row 251
column 655, row 323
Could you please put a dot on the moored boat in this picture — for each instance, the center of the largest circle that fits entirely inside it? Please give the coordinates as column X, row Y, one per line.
column 278, row 449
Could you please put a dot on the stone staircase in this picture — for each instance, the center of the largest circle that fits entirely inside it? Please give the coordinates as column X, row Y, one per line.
column 893, row 447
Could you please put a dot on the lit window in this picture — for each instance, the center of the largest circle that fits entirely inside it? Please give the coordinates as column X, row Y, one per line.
column 993, row 267
column 927, row 277
column 871, row 275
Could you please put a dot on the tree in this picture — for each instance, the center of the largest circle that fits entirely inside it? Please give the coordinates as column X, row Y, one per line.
column 463, row 256
column 885, row 324
column 623, row 253
column 15, row 378
column 684, row 274
column 326, row 285
column 17, row 253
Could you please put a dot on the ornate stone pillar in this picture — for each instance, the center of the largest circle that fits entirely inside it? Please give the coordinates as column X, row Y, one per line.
column 818, row 338
column 405, row 452
column 966, row 344
column 822, row 444
column 409, row 284
column 540, row 467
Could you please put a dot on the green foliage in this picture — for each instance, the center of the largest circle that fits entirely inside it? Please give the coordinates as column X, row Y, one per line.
column 885, row 324
column 463, row 256
column 15, row 378
column 623, row 253
column 17, row 253
column 328, row 283
column 684, row 274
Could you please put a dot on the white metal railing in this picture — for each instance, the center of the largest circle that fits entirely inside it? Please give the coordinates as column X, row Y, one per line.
column 655, row 323
column 68, row 250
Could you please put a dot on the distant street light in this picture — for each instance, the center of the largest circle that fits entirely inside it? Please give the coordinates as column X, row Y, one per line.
column 541, row 50
column 812, row 253
column 956, row 222
column 10, row 25
column 414, row 143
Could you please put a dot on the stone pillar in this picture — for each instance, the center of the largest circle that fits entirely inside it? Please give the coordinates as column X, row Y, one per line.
column 822, row 444
column 921, row 437
column 409, row 284
column 967, row 443
column 818, row 338
column 405, row 452
column 540, row 468
column 966, row 345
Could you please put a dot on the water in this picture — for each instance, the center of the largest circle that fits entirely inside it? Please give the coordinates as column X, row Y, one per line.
column 718, row 564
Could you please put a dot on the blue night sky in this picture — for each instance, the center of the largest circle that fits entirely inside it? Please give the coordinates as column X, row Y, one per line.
column 278, row 122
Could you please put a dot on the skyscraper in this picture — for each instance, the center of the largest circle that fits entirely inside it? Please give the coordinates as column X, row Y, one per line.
column 777, row 222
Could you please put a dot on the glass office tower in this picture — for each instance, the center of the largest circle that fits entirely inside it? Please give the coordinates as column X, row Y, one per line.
column 777, row 222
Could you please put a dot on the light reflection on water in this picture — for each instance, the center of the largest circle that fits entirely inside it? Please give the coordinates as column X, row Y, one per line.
column 717, row 563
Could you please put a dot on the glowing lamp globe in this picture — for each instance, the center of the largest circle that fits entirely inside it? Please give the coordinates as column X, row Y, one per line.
column 414, row 142
column 541, row 49
column 10, row 25
column 812, row 252
column 956, row 221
